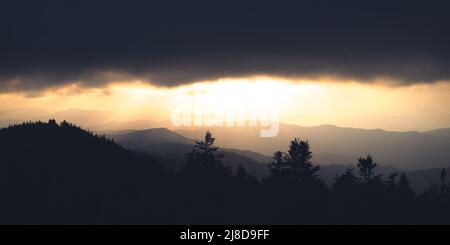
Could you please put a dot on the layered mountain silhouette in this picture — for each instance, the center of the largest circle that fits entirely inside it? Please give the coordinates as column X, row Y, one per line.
column 335, row 145
column 146, row 138
column 442, row 132
column 58, row 173
column 170, row 147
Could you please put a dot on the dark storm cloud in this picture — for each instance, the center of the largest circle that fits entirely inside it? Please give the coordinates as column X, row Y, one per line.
column 49, row 43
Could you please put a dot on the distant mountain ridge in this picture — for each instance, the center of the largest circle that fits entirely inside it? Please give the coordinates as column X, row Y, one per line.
column 145, row 138
column 442, row 132
column 169, row 149
column 331, row 145
column 155, row 137
column 406, row 150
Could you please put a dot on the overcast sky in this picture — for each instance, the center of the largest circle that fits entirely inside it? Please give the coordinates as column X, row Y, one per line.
column 48, row 43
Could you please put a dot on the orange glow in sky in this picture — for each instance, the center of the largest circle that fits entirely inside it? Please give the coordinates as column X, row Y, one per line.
column 303, row 102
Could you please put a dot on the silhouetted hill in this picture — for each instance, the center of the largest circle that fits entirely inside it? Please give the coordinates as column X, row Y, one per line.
column 171, row 155
column 333, row 145
column 140, row 139
column 442, row 132
column 59, row 173
column 330, row 171
column 406, row 150
column 145, row 139
column 422, row 179
column 169, row 148
column 85, row 118
column 97, row 120
column 251, row 154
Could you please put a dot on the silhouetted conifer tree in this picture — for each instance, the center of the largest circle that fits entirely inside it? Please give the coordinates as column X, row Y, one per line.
column 296, row 165
column 441, row 188
column 280, row 168
column 52, row 123
column 443, row 177
column 244, row 178
column 346, row 183
column 300, row 160
column 366, row 168
column 404, row 188
column 205, row 159
column 391, row 183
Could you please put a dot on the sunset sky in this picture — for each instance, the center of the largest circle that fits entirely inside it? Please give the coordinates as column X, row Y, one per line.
column 349, row 64
column 308, row 103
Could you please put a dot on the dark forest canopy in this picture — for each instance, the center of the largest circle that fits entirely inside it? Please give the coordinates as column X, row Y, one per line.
column 59, row 173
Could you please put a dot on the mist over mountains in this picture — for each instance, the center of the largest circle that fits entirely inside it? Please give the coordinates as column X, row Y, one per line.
column 60, row 173
column 332, row 145
column 170, row 148
column 225, row 112
column 336, row 145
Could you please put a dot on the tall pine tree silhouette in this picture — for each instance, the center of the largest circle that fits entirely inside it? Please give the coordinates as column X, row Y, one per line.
column 296, row 165
column 346, row 183
column 366, row 168
column 440, row 189
column 404, row 189
column 205, row 160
